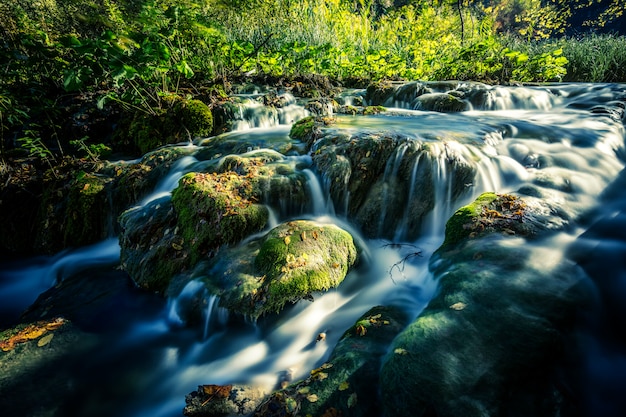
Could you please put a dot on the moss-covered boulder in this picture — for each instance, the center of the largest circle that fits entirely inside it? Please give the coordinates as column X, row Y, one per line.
column 503, row 213
column 183, row 120
column 166, row 237
column 293, row 261
column 378, row 94
column 346, row 383
column 206, row 212
column 490, row 342
column 74, row 211
column 216, row 209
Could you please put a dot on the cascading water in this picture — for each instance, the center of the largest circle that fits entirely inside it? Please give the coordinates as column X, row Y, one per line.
column 546, row 142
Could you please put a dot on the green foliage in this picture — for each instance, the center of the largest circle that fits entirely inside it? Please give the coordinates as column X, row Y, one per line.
column 93, row 151
column 596, row 58
column 32, row 143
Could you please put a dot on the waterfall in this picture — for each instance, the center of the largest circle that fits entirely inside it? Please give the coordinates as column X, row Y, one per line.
column 252, row 113
column 558, row 145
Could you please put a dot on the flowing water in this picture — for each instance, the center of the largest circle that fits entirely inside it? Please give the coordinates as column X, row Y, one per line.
column 565, row 142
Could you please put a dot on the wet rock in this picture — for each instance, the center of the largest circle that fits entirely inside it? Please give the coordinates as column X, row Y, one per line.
column 377, row 94
column 491, row 340
column 293, row 261
column 206, row 212
column 346, row 383
column 36, row 361
column 216, row 209
column 440, row 102
column 504, row 214
column 74, row 210
column 223, row 400
column 151, row 247
column 390, row 179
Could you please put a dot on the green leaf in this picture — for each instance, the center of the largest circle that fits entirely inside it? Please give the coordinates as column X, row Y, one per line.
column 184, row 68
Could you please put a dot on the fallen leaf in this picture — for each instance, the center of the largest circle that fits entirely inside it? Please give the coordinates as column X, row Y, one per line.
column 45, row 340
column 312, row 398
column 303, row 235
column 352, row 400
column 458, row 306
column 287, row 240
column 400, row 351
column 304, row 390
column 361, row 330
column 216, row 391
column 344, row 386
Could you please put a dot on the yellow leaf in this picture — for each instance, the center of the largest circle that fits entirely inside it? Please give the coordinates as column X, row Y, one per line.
column 45, row 340
column 303, row 235
column 304, row 390
column 312, row 398
column 361, row 330
column 458, row 306
column 344, row 386
column 287, row 240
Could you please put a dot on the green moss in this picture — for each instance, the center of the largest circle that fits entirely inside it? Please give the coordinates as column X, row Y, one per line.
column 184, row 120
column 215, row 210
column 458, row 226
column 374, row 110
column 299, row 258
column 193, row 117
column 291, row 262
column 303, row 128
column 86, row 211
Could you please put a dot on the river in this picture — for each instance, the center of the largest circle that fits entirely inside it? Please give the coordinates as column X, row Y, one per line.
column 566, row 140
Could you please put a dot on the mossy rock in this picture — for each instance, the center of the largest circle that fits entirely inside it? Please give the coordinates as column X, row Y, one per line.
column 378, row 94
column 216, row 209
column 489, row 341
column 183, row 121
column 303, row 129
column 292, row 262
column 74, row 211
column 488, row 213
column 440, row 102
column 346, row 384
column 151, row 245
column 504, row 214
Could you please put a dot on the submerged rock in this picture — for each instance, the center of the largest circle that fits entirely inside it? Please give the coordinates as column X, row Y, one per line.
column 293, row 261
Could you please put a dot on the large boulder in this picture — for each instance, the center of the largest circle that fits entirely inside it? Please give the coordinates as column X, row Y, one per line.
column 293, row 261
column 490, row 341
column 386, row 182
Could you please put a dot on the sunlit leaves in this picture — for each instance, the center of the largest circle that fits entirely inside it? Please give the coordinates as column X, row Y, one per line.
column 32, row 332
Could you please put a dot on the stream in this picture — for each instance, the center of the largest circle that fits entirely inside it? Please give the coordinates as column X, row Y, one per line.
column 567, row 141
